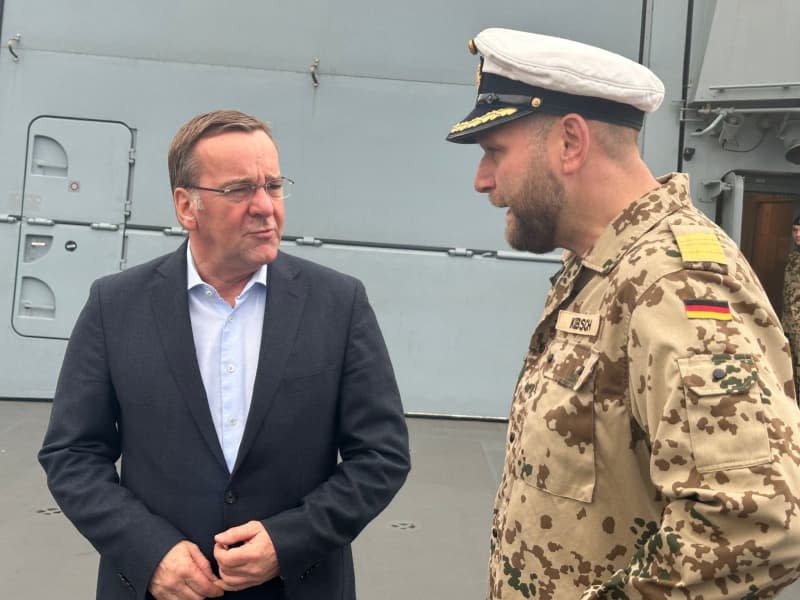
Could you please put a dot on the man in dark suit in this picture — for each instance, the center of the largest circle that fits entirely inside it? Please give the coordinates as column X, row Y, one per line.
column 228, row 378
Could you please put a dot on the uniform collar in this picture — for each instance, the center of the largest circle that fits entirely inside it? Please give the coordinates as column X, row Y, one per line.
column 635, row 220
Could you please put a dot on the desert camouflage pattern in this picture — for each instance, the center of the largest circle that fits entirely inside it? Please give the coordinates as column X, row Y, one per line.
column 791, row 310
column 649, row 454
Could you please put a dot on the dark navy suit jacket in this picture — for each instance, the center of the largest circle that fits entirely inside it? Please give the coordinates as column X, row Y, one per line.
column 130, row 388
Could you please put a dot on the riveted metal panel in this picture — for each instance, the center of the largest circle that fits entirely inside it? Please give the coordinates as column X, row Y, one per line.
column 457, row 328
column 710, row 152
column 366, row 146
column 752, row 53
column 401, row 40
column 664, row 54
column 144, row 245
column 56, row 266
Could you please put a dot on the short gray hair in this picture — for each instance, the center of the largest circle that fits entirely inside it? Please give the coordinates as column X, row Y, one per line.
column 180, row 159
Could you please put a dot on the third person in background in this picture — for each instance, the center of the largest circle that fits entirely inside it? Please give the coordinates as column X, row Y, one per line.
column 791, row 300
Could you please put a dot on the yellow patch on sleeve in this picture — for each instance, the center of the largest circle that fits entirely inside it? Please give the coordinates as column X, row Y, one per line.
column 699, row 245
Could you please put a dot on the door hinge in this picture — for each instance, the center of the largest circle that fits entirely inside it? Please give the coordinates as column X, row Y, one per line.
column 174, row 231
column 104, row 227
column 506, row 255
column 40, row 221
column 8, row 219
column 465, row 252
column 131, row 156
column 308, row 240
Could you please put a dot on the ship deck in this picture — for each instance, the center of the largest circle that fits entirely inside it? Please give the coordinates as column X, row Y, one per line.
column 430, row 543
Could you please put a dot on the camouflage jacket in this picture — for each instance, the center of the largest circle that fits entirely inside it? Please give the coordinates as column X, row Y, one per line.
column 653, row 446
column 791, row 293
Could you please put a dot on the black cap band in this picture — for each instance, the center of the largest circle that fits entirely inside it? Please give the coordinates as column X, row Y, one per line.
column 496, row 92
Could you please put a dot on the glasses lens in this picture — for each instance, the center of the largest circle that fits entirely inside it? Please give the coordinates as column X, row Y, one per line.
column 276, row 188
column 279, row 188
column 241, row 193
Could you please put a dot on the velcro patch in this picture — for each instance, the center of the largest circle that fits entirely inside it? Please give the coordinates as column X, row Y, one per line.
column 698, row 245
column 578, row 323
column 719, row 310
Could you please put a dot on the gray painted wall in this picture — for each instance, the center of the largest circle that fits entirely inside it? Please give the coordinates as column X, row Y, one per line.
column 366, row 148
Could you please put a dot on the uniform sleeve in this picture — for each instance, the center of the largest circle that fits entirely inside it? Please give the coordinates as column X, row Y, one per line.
column 710, row 390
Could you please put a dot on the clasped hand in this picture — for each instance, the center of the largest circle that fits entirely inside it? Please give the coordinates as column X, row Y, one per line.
column 245, row 555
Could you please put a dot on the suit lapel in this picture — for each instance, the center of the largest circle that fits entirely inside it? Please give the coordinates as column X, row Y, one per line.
column 286, row 296
column 171, row 310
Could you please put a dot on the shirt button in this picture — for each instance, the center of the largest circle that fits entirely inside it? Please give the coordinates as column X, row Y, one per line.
column 230, row 318
column 231, row 369
column 232, row 421
column 209, row 293
column 717, row 374
column 230, row 497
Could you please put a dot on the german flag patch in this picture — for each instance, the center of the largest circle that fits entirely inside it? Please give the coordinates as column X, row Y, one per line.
column 708, row 309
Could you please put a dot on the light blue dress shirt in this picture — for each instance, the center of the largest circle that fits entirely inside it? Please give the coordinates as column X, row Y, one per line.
column 227, row 341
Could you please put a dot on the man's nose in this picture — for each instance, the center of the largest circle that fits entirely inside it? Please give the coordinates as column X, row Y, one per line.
column 261, row 203
column 484, row 178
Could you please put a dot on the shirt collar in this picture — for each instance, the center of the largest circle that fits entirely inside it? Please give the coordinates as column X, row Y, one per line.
column 194, row 280
column 635, row 220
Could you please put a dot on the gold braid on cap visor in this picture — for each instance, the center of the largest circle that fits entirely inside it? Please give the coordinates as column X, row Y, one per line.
column 484, row 118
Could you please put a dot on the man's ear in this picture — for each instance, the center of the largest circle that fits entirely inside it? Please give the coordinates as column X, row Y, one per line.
column 185, row 208
column 574, row 142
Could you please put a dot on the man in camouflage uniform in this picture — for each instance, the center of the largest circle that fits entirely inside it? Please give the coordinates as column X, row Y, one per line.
column 791, row 301
column 653, row 446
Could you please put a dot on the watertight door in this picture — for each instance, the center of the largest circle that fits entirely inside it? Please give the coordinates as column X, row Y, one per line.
column 73, row 219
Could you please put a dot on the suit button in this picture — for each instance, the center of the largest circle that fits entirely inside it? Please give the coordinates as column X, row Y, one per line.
column 230, row 497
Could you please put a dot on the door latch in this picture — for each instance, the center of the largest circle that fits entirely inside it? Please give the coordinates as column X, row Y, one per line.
column 12, row 44
column 313, row 70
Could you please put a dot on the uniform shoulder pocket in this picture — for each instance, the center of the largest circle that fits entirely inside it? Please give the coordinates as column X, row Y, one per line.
column 727, row 422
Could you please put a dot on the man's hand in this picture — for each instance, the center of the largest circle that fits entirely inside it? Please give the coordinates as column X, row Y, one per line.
column 246, row 556
column 185, row 574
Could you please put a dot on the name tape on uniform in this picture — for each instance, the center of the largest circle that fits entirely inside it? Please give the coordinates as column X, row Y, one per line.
column 581, row 324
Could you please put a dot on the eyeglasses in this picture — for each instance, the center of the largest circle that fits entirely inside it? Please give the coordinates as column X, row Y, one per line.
column 243, row 192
